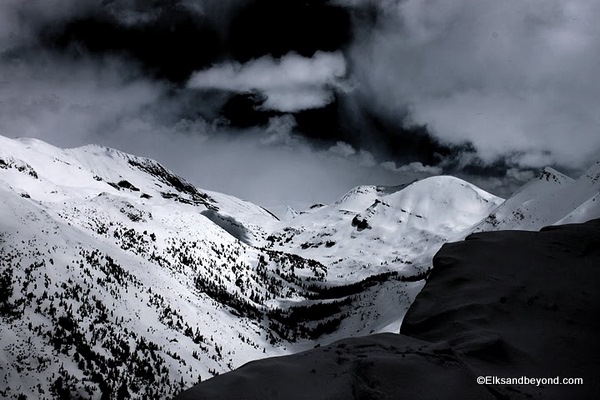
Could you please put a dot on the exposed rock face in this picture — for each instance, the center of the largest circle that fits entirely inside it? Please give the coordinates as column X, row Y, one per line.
column 514, row 303
column 384, row 366
column 505, row 304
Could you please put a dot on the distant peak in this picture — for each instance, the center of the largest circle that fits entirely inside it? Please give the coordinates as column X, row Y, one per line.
column 364, row 189
column 551, row 175
column 291, row 213
column 358, row 192
column 93, row 146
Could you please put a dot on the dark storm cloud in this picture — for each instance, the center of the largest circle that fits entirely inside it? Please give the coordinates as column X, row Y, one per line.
column 278, row 27
column 69, row 84
column 277, row 56
column 239, row 91
column 172, row 39
column 169, row 41
column 71, row 104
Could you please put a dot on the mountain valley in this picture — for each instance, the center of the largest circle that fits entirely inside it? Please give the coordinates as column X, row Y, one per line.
column 119, row 279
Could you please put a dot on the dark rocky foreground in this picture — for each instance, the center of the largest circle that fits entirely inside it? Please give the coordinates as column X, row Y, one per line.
column 506, row 304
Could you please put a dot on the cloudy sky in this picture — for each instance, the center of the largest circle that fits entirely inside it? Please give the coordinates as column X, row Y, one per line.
column 294, row 102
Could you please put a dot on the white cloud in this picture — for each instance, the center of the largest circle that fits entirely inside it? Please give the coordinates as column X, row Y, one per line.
column 519, row 175
column 366, row 159
column 513, row 77
column 71, row 103
column 411, row 167
column 279, row 131
column 342, row 149
column 291, row 83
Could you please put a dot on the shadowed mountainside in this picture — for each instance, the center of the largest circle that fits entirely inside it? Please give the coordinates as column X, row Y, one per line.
column 506, row 304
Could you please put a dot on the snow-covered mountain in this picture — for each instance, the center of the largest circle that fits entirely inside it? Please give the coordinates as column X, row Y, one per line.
column 112, row 275
column 120, row 279
column 118, row 276
column 374, row 230
column 550, row 198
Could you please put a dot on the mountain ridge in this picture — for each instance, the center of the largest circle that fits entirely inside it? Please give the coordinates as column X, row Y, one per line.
column 549, row 198
column 119, row 272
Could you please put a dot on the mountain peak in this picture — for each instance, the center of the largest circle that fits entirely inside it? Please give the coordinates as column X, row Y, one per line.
column 291, row 213
column 550, row 198
column 549, row 174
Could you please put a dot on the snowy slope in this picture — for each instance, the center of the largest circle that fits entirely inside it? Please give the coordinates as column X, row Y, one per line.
column 116, row 274
column 380, row 230
column 382, row 239
column 111, row 272
column 550, row 198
